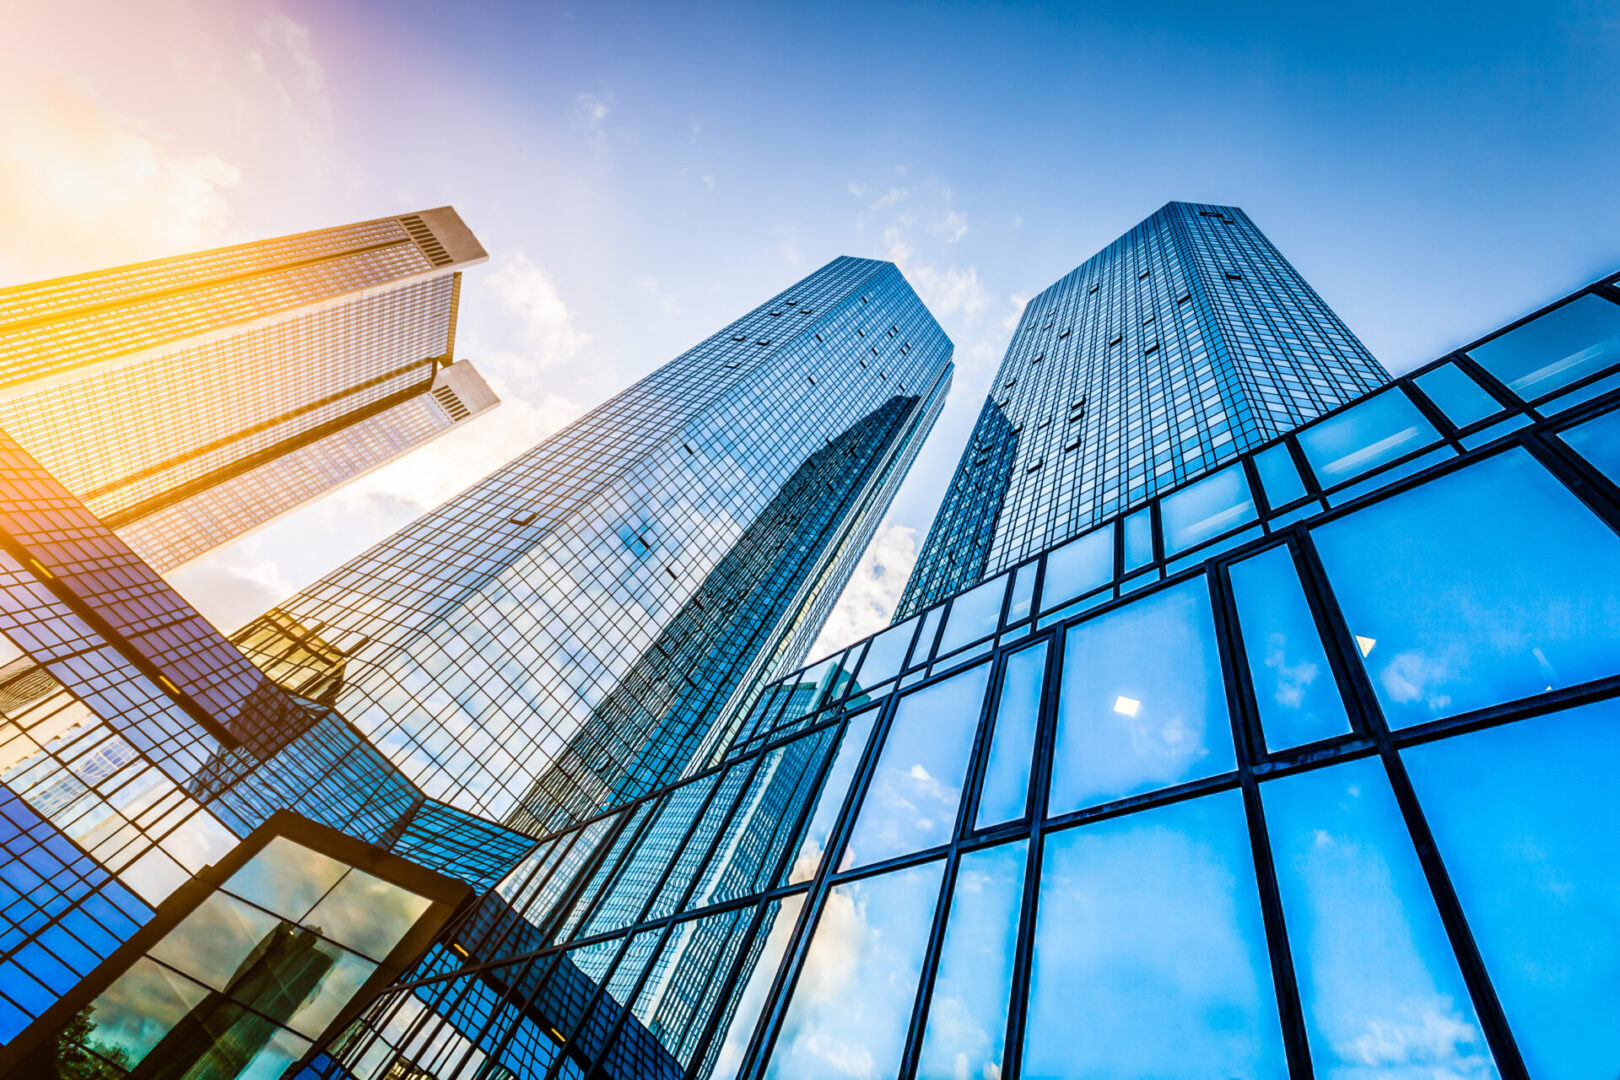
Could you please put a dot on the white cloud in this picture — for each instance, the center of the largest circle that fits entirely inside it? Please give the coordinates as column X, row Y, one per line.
column 708, row 182
column 592, row 111
column 893, row 197
column 955, row 226
column 868, row 602
column 232, row 588
column 83, row 186
column 856, row 188
column 528, row 293
column 1017, row 311
column 946, row 290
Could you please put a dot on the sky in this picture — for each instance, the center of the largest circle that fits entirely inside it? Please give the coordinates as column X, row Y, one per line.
column 641, row 175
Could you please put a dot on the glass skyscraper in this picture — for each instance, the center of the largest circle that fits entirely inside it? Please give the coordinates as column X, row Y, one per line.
column 568, row 632
column 1180, row 345
column 239, row 383
column 1312, row 779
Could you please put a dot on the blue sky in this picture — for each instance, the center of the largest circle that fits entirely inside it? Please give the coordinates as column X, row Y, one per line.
column 643, row 174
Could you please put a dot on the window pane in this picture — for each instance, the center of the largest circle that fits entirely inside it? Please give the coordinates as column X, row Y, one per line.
column 1462, row 399
column 1380, row 429
column 1293, row 684
column 1564, row 345
column 777, row 928
column 367, row 914
column 1216, row 504
column 1279, row 476
column 286, row 878
column 853, row 999
column 1598, row 441
column 1004, row 794
column 1138, row 539
column 1023, row 591
column 1525, row 818
column 1078, row 566
column 210, row 943
column 887, row 653
column 967, row 1013
column 974, row 615
column 1150, row 953
column 1378, row 981
column 808, row 860
column 1485, row 585
column 1142, row 705
column 913, row 796
column 138, row 1009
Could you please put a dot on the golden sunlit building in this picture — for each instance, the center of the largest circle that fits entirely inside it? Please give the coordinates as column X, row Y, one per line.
column 188, row 400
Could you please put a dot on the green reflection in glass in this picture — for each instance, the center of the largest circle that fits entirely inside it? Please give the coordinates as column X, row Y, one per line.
column 286, row 877
column 141, row 1006
column 211, row 943
column 967, row 1012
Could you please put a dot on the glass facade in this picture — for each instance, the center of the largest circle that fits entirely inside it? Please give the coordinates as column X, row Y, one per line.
column 242, row 382
column 1316, row 790
column 1184, row 343
column 585, row 624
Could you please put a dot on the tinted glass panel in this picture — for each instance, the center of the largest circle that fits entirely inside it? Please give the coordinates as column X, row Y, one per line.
column 967, row 1013
column 1004, row 793
column 1023, row 591
column 1598, row 441
column 853, row 998
column 1078, row 566
column 1525, row 818
column 367, row 914
column 211, row 942
column 1138, row 539
column 755, row 980
column 1485, row 585
column 914, row 793
column 138, row 1009
column 974, row 615
column 1380, row 429
column 1293, row 685
column 1216, row 504
column 1378, row 982
column 887, row 653
column 808, row 860
column 1142, row 704
column 287, row 878
column 1562, row 346
column 1150, row 954
column 1462, row 399
column 1279, row 476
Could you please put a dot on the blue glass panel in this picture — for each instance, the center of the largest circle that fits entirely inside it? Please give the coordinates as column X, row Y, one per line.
column 1482, row 586
column 1494, row 431
column 912, row 799
column 1379, row 481
column 1138, row 539
column 777, row 930
column 1142, row 704
column 1595, row 388
column 1078, row 566
column 1378, row 981
column 1150, row 953
column 967, row 1012
column 975, row 614
column 1462, row 399
column 1216, row 504
column 1598, row 441
column 1023, row 592
column 852, row 1002
column 923, row 649
column 886, row 654
column 1293, row 684
column 1566, row 344
column 1279, row 476
column 842, row 771
column 1004, row 793
column 1526, row 821
column 1378, row 430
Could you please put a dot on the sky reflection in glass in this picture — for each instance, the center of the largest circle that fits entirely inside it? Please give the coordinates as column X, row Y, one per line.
column 1378, row 430
column 1216, row 504
column 1078, row 566
column 1150, row 953
column 1525, row 818
column 1142, row 703
column 1555, row 350
column 974, row 615
column 1278, row 476
column 1598, row 441
column 1004, row 792
column 1462, row 399
column 777, row 929
column 831, row 800
column 1378, row 982
column 887, row 654
column 1486, row 585
column 915, row 791
column 967, row 1013
column 286, row 877
column 1138, row 539
column 1293, row 685
column 852, row 1001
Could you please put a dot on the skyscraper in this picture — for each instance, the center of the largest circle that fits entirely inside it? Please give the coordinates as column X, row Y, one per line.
column 1180, row 345
column 568, row 632
column 1311, row 776
column 187, row 400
